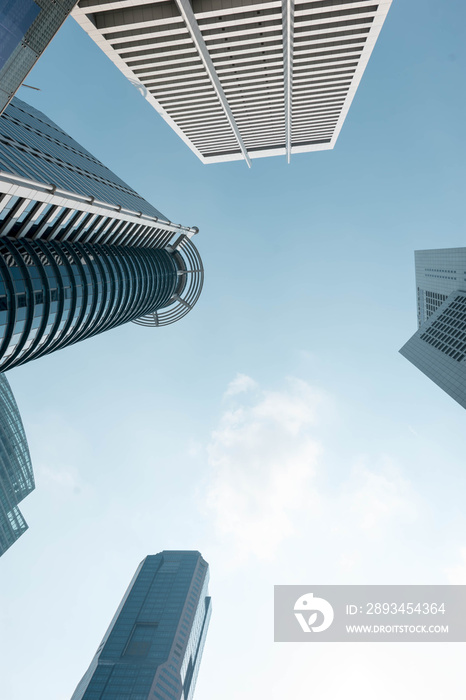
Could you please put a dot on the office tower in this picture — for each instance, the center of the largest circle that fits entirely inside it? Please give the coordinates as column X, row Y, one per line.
column 241, row 79
column 438, row 348
column 16, row 476
column 153, row 647
column 26, row 28
column 80, row 251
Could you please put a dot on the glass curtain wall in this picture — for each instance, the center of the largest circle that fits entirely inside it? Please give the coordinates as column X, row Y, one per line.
column 53, row 294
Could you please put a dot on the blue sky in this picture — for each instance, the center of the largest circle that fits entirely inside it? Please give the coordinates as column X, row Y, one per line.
column 275, row 428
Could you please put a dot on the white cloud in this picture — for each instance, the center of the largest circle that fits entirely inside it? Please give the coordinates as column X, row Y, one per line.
column 240, row 384
column 264, row 456
column 263, row 460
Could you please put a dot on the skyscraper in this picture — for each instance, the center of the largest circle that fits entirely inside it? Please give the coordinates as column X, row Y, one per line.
column 16, row 477
column 26, row 28
column 438, row 348
column 80, row 251
column 241, row 79
column 153, row 647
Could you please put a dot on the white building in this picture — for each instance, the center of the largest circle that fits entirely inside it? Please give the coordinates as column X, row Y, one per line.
column 241, row 79
column 438, row 348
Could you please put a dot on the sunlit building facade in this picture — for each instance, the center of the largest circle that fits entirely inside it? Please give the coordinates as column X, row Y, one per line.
column 438, row 348
column 153, row 647
column 242, row 79
column 16, row 476
column 26, row 28
column 80, row 251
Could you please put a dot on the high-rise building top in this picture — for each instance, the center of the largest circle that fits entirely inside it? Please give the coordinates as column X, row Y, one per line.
column 80, row 251
column 241, row 79
column 152, row 649
column 438, row 348
column 439, row 272
column 16, row 476
column 26, row 28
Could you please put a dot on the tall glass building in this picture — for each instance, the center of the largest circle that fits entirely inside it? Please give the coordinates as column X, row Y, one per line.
column 153, row 647
column 26, row 28
column 438, row 348
column 80, row 251
column 16, row 477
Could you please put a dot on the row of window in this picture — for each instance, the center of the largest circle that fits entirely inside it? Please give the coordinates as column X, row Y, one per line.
column 38, row 150
column 448, row 332
column 434, row 269
column 105, row 286
column 27, row 217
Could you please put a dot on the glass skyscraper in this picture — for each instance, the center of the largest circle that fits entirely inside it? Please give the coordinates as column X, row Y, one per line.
column 153, row 647
column 16, row 477
column 80, row 251
column 26, row 28
column 438, row 348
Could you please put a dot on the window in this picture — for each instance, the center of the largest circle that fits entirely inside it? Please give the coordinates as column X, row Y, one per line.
column 141, row 639
column 448, row 332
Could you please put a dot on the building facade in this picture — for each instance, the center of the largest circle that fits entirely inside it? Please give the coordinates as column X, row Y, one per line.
column 241, row 79
column 152, row 649
column 438, row 348
column 80, row 251
column 16, row 476
column 26, row 28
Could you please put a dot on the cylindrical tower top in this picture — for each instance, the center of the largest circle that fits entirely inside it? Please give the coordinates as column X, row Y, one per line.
column 188, row 289
column 53, row 294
